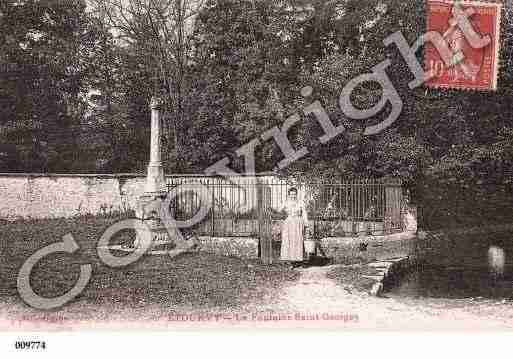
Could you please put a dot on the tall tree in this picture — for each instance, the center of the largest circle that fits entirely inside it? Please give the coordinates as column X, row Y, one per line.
column 158, row 33
column 42, row 82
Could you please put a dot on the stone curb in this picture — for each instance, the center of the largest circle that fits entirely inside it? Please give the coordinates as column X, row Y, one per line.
column 386, row 269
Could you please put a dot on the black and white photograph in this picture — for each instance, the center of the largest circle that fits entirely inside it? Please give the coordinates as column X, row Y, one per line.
column 255, row 165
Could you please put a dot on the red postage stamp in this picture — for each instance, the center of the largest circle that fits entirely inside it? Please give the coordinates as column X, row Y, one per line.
column 471, row 30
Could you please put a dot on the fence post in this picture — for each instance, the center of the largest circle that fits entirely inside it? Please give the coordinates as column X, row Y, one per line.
column 213, row 210
column 264, row 223
column 393, row 211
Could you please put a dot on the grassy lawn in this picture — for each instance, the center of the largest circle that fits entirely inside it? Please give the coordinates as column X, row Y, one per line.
column 194, row 279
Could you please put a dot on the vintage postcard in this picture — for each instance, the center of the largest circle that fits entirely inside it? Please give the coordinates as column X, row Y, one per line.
column 255, row 164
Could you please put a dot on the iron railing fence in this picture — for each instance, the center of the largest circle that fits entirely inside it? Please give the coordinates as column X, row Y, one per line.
column 333, row 209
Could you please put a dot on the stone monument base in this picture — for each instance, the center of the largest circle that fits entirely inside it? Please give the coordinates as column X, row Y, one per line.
column 149, row 207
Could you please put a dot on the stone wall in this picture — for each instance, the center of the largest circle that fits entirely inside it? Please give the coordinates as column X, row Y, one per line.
column 230, row 246
column 368, row 248
column 53, row 196
column 66, row 195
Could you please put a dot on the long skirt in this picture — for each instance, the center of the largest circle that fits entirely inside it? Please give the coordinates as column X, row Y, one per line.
column 292, row 237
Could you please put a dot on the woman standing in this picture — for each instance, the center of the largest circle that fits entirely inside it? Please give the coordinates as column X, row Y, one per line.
column 293, row 229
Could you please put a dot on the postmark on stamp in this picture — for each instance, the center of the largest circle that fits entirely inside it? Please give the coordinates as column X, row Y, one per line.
column 479, row 67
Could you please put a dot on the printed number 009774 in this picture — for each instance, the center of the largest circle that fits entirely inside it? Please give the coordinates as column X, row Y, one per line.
column 33, row 345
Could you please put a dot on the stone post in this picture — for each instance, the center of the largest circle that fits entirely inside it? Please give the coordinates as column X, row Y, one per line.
column 151, row 201
column 150, row 204
column 155, row 182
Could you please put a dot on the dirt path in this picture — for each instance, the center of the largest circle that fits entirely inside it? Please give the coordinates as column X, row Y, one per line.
column 316, row 295
column 313, row 301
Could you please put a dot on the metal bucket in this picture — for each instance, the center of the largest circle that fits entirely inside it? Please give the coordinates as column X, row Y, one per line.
column 309, row 246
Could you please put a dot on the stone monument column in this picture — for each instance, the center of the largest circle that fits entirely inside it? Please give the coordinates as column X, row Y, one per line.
column 155, row 182
column 150, row 203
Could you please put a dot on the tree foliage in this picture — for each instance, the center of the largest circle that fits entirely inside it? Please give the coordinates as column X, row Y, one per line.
column 77, row 82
